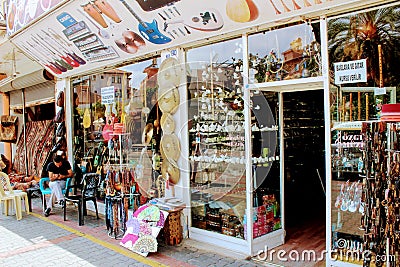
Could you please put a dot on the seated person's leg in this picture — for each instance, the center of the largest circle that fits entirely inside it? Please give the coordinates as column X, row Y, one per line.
column 50, row 200
column 56, row 189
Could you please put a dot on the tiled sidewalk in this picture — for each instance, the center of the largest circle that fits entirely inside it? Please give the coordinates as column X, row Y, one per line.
column 50, row 241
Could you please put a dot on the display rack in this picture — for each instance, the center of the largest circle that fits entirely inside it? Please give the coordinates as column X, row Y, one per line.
column 217, row 159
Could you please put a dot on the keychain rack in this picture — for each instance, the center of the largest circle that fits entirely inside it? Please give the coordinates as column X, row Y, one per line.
column 381, row 218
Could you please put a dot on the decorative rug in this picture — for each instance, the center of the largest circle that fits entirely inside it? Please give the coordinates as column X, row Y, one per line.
column 39, row 143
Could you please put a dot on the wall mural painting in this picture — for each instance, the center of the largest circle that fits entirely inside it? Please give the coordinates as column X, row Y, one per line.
column 90, row 34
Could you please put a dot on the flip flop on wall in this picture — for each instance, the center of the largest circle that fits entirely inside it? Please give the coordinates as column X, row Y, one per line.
column 130, row 42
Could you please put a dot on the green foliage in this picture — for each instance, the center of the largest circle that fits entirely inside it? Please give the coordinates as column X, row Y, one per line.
column 358, row 36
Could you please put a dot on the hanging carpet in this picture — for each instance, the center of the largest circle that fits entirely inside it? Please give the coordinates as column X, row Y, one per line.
column 39, row 143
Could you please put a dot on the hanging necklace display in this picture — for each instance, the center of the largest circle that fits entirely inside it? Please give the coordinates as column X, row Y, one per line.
column 274, row 64
column 160, row 185
column 196, row 152
column 119, row 184
column 306, row 54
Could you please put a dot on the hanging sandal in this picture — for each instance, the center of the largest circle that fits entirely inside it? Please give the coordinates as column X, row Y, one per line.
column 346, row 198
column 339, row 198
column 355, row 200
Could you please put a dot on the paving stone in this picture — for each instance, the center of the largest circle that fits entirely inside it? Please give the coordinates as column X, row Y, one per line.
column 57, row 246
column 195, row 262
column 225, row 262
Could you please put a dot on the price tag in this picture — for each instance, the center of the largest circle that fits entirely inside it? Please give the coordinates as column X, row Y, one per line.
column 380, row 91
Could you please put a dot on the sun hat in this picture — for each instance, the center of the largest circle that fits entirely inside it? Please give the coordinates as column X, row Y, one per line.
column 170, row 73
column 170, row 171
column 168, row 99
column 167, row 123
column 170, row 147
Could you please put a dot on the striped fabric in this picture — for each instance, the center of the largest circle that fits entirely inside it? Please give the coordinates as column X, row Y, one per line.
column 39, row 136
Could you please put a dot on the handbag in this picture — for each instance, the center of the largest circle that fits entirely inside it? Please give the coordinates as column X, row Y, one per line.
column 86, row 166
column 59, row 116
column 60, row 129
column 60, row 145
column 7, row 163
column 60, row 99
column 8, row 128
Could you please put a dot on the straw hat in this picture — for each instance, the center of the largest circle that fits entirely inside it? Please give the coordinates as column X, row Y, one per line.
column 170, row 147
column 167, row 123
column 170, row 73
column 147, row 134
column 170, row 170
column 168, row 99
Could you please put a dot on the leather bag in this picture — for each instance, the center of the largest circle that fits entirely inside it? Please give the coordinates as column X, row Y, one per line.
column 8, row 128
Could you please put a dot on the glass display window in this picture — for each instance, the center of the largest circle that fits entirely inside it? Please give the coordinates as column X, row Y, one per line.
column 284, row 54
column 216, row 136
column 265, row 146
column 116, row 128
column 217, row 146
column 363, row 81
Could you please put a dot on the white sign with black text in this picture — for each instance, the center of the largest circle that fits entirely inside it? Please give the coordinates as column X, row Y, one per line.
column 351, row 71
column 107, row 95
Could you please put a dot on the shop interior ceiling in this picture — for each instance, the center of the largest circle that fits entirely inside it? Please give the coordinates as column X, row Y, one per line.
column 77, row 37
column 14, row 64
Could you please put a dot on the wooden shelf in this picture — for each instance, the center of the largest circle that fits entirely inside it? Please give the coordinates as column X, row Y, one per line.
column 294, row 85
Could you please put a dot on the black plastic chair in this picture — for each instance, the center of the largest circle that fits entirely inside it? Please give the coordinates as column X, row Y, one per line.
column 87, row 192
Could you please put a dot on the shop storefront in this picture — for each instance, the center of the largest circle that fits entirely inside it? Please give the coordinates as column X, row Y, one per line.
column 364, row 201
column 234, row 116
column 33, row 95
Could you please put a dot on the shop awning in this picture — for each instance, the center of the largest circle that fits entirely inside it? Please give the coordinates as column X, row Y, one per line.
column 38, row 94
column 31, row 79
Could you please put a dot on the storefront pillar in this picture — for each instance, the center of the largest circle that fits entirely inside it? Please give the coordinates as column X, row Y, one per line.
column 24, row 130
column 6, row 111
column 65, row 85
column 182, row 189
column 325, row 76
column 247, row 144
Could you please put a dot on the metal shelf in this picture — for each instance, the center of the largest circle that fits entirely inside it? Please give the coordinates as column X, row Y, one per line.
column 294, row 85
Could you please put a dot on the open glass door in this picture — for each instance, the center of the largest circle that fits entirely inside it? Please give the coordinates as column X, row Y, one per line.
column 266, row 168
